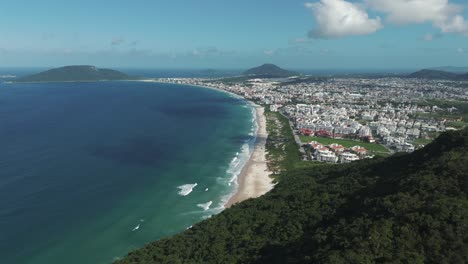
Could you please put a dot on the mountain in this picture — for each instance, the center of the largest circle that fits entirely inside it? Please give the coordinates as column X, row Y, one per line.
column 270, row 71
column 451, row 69
column 408, row 208
column 75, row 73
column 436, row 74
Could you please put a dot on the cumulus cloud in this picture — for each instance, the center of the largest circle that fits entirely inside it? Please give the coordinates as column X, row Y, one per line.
column 428, row 37
column 442, row 14
column 300, row 40
column 210, row 51
column 339, row 18
column 431, row 37
column 117, row 41
column 270, row 52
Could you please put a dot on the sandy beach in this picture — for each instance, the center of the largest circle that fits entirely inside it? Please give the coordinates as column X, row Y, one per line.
column 254, row 180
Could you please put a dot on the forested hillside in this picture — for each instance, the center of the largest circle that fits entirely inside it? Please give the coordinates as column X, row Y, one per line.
column 403, row 209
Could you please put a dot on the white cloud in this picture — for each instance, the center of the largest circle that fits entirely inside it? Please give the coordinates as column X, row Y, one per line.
column 428, row 37
column 117, row 41
column 339, row 18
column 210, row 52
column 324, row 51
column 442, row 14
column 432, row 36
column 299, row 40
column 461, row 50
column 270, row 52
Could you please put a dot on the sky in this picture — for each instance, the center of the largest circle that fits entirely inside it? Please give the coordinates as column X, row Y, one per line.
column 221, row 34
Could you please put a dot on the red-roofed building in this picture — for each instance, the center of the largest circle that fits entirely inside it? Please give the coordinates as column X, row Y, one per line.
column 337, row 148
column 361, row 151
column 306, row 131
column 322, row 133
column 315, row 145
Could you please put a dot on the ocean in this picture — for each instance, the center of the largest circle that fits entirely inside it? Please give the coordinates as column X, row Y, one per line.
column 90, row 171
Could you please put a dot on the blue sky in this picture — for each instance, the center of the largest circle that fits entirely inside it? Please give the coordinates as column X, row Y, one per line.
column 321, row 34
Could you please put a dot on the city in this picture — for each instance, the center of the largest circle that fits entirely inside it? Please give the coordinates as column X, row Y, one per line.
column 339, row 120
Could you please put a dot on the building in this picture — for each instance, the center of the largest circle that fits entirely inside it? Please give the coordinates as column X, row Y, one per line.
column 315, row 145
column 405, row 147
column 365, row 131
column 325, row 155
column 361, row 151
column 348, row 157
column 337, row 148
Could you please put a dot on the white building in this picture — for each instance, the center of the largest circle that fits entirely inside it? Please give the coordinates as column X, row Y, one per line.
column 325, row 155
column 365, row 131
column 347, row 157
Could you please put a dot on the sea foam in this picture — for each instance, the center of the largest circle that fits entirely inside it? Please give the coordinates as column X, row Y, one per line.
column 238, row 162
column 186, row 189
column 205, row 206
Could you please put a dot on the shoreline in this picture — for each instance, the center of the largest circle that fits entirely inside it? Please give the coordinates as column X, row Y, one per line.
column 254, row 179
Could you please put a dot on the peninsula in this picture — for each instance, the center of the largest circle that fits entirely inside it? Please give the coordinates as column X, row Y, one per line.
column 75, row 73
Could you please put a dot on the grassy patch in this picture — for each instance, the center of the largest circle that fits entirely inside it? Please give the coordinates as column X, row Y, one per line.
column 282, row 151
column 346, row 143
column 422, row 141
column 460, row 124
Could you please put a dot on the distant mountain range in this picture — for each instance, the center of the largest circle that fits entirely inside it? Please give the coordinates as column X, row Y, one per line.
column 269, row 71
column 451, row 69
column 75, row 73
column 437, row 74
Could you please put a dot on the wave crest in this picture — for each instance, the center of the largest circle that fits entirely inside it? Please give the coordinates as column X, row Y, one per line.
column 205, row 206
column 186, row 189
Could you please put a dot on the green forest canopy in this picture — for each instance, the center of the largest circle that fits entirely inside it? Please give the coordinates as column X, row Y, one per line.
column 408, row 208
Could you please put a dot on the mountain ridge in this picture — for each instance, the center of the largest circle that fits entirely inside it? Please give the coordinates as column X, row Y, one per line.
column 408, row 208
column 438, row 74
column 269, row 70
column 75, row 73
column 454, row 69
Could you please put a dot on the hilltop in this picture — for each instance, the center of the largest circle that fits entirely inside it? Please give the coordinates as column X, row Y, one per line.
column 269, row 71
column 451, row 69
column 408, row 208
column 438, row 74
column 75, row 73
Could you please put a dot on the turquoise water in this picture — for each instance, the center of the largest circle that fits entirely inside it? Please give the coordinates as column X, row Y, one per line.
column 90, row 171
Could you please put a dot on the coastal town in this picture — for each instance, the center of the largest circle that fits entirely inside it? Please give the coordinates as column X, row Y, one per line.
column 340, row 120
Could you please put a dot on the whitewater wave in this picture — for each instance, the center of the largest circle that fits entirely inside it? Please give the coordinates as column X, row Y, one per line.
column 205, row 206
column 186, row 189
column 237, row 164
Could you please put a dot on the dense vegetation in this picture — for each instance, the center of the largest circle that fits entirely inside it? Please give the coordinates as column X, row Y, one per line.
column 460, row 114
column 75, row 73
column 408, row 208
column 436, row 74
column 270, row 71
column 282, row 151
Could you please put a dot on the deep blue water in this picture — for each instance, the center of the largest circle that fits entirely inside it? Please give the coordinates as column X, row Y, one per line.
column 83, row 164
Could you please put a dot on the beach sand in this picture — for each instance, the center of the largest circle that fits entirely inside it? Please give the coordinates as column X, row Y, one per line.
column 254, row 179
